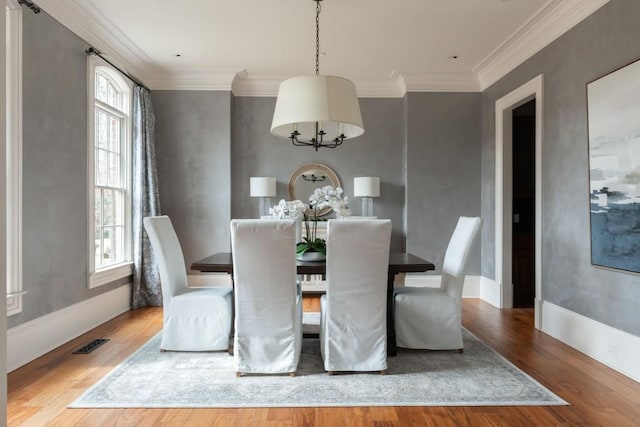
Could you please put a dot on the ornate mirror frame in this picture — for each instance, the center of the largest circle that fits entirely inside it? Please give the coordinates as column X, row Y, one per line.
column 308, row 177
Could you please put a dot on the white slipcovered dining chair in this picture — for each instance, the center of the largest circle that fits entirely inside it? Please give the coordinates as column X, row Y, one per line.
column 431, row 318
column 353, row 322
column 195, row 319
column 268, row 301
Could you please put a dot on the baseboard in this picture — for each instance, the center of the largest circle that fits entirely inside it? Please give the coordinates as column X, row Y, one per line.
column 209, row 279
column 490, row 292
column 32, row 339
column 471, row 288
column 617, row 349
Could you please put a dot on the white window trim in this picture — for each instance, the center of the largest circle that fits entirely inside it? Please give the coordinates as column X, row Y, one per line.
column 111, row 273
column 14, row 160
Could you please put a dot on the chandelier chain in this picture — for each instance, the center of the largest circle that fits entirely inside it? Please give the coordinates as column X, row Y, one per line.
column 317, row 37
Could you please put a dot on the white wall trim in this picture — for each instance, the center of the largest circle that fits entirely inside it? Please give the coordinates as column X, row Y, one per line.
column 267, row 86
column 553, row 20
column 444, row 82
column 471, row 288
column 221, row 80
column 14, row 154
column 3, row 230
column 615, row 348
column 490, row 291
column 110, row 274
column 91, row 26
column 209, row 279
column 533, row 89
column 32, row 339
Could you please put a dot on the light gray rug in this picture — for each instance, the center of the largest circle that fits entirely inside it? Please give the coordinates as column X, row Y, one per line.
column 477, row 377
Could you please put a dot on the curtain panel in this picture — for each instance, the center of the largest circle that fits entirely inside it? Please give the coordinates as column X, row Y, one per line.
column 145, row 200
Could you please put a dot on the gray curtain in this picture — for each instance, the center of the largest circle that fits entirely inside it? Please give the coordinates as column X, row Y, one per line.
column 146, row 201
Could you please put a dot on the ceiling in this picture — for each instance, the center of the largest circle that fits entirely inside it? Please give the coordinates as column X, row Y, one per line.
column 385, row 47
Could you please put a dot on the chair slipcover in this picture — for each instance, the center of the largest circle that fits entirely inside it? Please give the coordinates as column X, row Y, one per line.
column 353, row 322
column 431, row 318
column 195, row 319
column 268, row 302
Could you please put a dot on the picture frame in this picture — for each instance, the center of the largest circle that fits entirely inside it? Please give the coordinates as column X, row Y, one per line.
column 613, row 108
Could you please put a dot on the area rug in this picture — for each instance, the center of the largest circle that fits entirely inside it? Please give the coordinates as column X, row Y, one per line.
column 478, row 377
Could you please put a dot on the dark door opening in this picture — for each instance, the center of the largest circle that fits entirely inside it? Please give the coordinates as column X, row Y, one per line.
column 524, row 202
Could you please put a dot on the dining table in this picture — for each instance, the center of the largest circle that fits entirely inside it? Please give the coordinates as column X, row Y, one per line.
column 399, row 262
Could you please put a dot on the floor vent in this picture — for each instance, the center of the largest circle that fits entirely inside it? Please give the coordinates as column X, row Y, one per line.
column 91, row 346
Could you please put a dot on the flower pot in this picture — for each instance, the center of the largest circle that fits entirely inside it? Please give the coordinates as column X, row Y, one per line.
column 311, row 256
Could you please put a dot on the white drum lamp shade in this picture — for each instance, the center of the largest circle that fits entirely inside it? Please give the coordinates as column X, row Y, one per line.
column 262, row 186
column 366, row 187
column 330, row 101
column 265, row 188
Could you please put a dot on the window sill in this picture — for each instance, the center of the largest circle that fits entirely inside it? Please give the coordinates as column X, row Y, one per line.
column 14, row 303
column 110, row 274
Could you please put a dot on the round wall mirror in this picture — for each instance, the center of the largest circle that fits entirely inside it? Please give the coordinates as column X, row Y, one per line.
column 307, row 178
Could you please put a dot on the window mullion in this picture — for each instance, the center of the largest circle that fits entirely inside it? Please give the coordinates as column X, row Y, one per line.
column 109, row 109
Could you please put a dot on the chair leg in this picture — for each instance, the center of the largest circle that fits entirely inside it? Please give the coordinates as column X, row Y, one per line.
column 292, row 374
column 461, row 350
column 330, row 372
column 162, row 350
column 384, row 372
column 238, row 374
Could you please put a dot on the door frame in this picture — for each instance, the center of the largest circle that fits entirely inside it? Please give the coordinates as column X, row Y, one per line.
column 533, row 89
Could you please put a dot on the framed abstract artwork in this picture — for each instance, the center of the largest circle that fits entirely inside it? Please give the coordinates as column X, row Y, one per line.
column 613, row 103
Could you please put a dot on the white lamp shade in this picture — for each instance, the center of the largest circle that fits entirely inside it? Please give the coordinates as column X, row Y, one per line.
column 304, row 100
column 366, row 186
column 262, row 186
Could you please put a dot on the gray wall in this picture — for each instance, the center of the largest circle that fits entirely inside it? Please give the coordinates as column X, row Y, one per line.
column 435, row 136
column 443, row 171
column 193, row 152
column 54, row 200
column 379, row 152
column 600, row 44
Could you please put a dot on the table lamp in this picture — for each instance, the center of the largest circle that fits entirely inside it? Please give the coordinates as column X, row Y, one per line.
column 265, row 188
column 366, row 187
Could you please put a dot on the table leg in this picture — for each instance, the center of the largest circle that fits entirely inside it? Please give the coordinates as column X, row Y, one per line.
column 392, row 350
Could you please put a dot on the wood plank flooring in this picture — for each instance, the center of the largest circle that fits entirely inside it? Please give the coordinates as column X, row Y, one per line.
column 38, row 393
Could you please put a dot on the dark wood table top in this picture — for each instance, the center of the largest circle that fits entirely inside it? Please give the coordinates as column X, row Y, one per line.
column 399, row 262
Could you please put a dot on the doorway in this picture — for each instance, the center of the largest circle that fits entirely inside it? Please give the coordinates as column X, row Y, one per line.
column 523, row 202
column 504, row 206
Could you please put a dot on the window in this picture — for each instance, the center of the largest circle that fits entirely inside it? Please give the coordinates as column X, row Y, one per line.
column 109, row 174
column 14, row 155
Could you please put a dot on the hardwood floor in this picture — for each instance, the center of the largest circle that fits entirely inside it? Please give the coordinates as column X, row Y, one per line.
column 38, row 393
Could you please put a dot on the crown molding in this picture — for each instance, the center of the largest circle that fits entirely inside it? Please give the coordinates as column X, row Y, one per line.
column 246, row 85
column 553, row 20
column 441, row 82
column 394, row 87
column 96, row 30
column 195, row 80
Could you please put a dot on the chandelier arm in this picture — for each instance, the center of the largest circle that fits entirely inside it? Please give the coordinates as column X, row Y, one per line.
column 316, row 142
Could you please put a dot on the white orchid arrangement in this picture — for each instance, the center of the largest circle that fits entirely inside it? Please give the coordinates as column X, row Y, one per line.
column 327, row 196
column 321, row 198
column 293, row 208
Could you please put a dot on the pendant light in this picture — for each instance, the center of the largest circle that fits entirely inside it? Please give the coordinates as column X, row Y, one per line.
column 317, row 111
